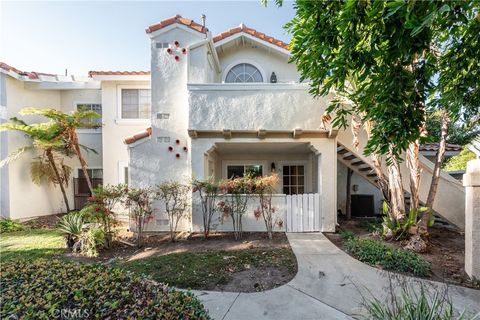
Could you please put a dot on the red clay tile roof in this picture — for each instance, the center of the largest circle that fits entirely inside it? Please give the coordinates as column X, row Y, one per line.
column 252, row 32
column 31, row 75
column 118, row 73
column 138, row 136
column 434, row 147
column 176, row 19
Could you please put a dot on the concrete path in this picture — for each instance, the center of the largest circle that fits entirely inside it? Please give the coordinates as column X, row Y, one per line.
column 329, row 285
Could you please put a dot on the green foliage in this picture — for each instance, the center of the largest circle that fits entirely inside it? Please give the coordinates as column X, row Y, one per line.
column 9, row 225
column 370, row 226
column 30, row 244
column 411, row 304
column 346, row 234
column 71, row 225
column 459, row 162
column 206, row 270
column 400, row 228
column 377, row 253
column 92, row 240
column 139, row 203
column 461, row 132
column 389, row 62
column 175, row 196
column 39, row 289
column 208, row 192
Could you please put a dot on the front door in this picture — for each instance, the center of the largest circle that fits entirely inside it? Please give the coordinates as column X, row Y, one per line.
column 293, row 179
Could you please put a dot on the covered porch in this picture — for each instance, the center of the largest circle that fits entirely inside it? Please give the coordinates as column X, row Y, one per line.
column 305, row 195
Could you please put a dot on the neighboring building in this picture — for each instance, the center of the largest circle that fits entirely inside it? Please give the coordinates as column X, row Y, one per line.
column 219, row 107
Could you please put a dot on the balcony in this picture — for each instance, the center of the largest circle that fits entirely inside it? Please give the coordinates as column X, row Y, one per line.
column 254, row 106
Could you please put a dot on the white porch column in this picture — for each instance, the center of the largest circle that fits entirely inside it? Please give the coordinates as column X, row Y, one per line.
column 327, row 182
column 471, row 182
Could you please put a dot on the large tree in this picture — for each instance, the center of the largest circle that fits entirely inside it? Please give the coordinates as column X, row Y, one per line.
column 390, row 63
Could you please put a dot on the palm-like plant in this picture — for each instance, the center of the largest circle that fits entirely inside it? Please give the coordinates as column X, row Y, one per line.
column 71, row 225
column 66, row 126
column 48, row 166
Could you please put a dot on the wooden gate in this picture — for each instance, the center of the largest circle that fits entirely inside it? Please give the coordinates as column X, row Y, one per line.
column 303, row 212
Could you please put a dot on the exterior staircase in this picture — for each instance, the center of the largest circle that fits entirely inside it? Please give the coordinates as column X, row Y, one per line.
column 450, row 199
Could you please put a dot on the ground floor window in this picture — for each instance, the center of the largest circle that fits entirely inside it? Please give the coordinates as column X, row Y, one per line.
column 293, row 179
column 81, row 190
column 236, row 171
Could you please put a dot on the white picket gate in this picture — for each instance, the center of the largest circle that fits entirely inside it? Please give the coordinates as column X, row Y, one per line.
column 303, row 212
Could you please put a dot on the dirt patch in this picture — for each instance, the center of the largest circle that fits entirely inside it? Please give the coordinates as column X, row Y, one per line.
column 43, row 222
column 257, row 263
column 446, row 250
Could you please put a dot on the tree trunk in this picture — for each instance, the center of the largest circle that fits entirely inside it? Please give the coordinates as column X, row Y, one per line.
column 377, row 166
column 83, row 163
column 348, row 207
column 423, row 224
column 413, row 163
column 59, row 178
column 396, row 191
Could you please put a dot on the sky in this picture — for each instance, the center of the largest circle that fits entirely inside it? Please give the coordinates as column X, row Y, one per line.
column 82, row 36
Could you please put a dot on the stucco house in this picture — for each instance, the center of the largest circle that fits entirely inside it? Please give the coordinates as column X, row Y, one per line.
column 210, row 106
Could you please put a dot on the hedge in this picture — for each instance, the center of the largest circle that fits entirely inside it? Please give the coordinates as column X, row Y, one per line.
column 47, row 289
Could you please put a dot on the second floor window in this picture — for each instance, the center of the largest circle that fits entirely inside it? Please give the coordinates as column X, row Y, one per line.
column 243, row 72
column 136, row 103
column 97, row 107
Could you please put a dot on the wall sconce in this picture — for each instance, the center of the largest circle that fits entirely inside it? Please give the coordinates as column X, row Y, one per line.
column 355, row 187
column 272, row 167
column 273, row 78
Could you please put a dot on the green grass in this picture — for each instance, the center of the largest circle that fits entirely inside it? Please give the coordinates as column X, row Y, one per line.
column 376, row 253
column 201, row 270
column 30, row 244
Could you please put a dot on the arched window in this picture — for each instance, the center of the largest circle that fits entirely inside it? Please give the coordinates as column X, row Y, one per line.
column 243, row 72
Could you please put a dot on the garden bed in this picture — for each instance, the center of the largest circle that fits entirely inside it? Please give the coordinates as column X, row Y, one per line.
column 446, row 252
column 220, row 263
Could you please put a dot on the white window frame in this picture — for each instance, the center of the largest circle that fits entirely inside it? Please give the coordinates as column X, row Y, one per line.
column 253, row 63
column 75, row 174
column 226, row 163
column 306, row 173
column 121, row 171
column 119, row 119
column 89, row 130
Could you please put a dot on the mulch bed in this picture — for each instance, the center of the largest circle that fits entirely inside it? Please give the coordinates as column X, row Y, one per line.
column 446, row 251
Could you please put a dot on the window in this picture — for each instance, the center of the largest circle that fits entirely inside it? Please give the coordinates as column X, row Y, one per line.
column 97, row 107
column 136, row 103
column 125, row 175
column 236, row 171
column 243, row 72
column 92, row 173
column 293, row 179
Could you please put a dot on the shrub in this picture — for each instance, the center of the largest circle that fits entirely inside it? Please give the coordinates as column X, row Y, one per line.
column 92, row 240
column 346, row 234
column 71, row 226
column 41, row 289
column 208, row 192
column 9, row 225
column 175, row 197
column 413, row 305
column 139, row 202
column 100, row 208
column 376, row 253
column 264, row 188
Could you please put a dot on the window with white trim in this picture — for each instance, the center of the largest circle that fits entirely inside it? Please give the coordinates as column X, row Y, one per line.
column 243, row 72
column 97, row 107
column 92, row 173
column 293, row 179
column 135, row 103
column 236, row 171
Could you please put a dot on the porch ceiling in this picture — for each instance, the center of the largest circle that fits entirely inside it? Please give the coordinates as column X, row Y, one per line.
column 263, row 147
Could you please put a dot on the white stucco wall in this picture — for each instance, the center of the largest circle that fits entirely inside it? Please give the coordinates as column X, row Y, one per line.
column 266, row 60
column 253, row 107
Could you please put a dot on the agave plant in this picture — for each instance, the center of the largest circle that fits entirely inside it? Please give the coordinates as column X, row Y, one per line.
column 71, row 225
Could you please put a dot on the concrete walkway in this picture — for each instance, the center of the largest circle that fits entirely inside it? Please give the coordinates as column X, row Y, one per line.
column 329, row 285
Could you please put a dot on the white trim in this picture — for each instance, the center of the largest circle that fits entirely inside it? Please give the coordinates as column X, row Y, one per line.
column 248, row 61
column 89, row 130
column 59, row 85
column 121, row 171
column 158, row 32
column 118, row 116
column 3, row 113
column 252, row 86
column 126, row 77
column 222, row 42
column 75, row 173
column 226, row 163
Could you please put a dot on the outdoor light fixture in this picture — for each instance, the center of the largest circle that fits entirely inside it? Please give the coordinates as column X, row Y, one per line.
column 273, row 78
column 355, row 187
column 273, row 167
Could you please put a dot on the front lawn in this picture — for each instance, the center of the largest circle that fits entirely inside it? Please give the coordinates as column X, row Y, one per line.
column 31, row 244
column 239, row 270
